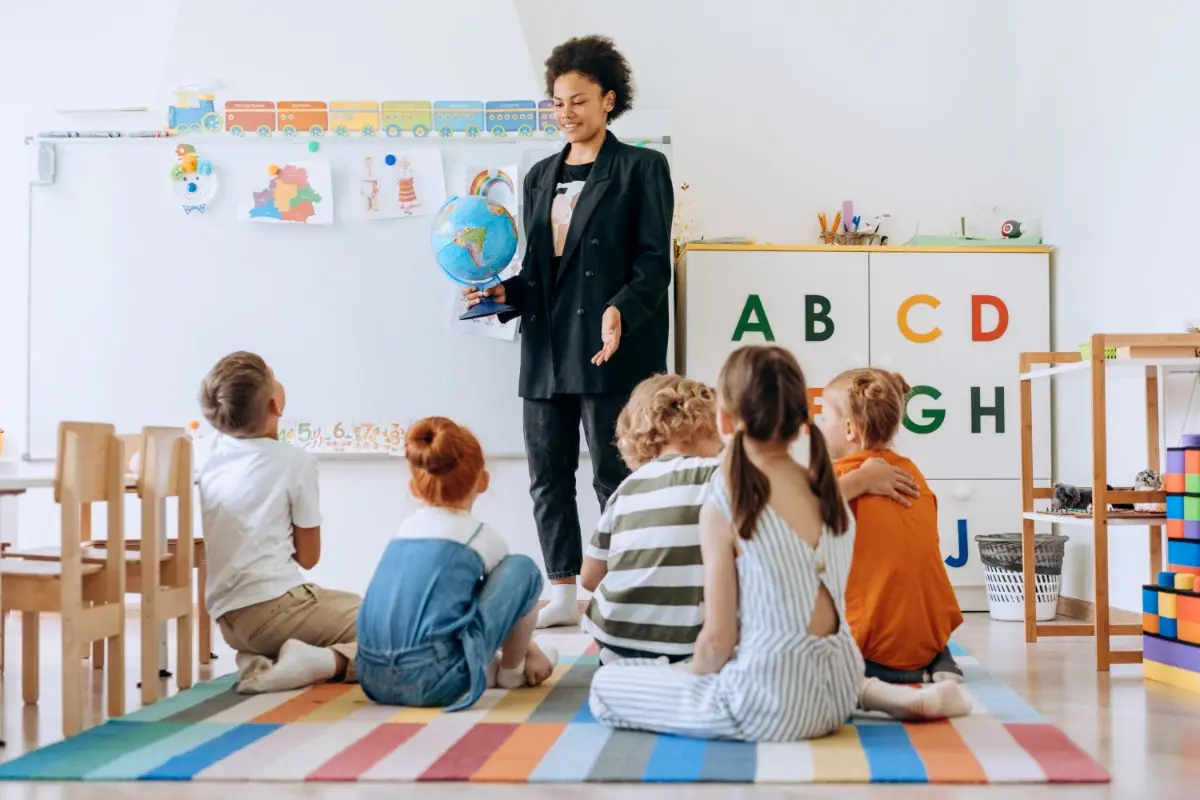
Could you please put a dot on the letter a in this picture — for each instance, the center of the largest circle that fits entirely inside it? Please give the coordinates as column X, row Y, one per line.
column 753, row 320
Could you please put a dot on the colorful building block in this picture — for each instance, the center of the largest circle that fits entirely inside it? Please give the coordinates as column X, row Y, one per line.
column 1168, row 628
column 1167, row 605
column 1184, row 581
column 1149, row 623
column 1174, row 506
column 1149, row 600
column 1184, row 568
column 1191, row 530
column 1166, row 579
column 1187, row 631
column 1176, row 461
column 1191, row 507
column 1183, row 552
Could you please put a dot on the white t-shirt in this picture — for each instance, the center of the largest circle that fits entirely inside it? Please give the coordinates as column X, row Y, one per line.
column 252, row 492
column 457, row 526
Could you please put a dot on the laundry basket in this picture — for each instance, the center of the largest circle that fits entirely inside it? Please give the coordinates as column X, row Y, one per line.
column 1001, row 556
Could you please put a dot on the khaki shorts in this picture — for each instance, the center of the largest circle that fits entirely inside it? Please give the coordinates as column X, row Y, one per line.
column 320, row 617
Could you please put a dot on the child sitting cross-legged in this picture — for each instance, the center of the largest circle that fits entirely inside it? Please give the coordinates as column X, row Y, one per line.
column 899, row 601
column 447, row 594
column 643, row 565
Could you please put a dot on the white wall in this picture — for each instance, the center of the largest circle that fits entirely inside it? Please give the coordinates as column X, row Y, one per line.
column 1111, row 153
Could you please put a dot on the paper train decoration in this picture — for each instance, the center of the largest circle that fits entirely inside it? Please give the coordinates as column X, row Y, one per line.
column 193, row 180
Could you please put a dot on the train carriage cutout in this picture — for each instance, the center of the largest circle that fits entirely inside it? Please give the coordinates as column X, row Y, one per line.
column 303, row 116
column 354, row 116
column 458, row 116
column 193, row 116
column 413, row 116
column 546, row 122
column 511, row 116
column 250, row 116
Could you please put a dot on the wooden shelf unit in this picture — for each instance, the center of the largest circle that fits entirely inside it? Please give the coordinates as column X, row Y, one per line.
column 1097, row 367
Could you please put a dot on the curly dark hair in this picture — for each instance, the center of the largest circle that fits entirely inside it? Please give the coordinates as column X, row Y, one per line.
column 600, row 60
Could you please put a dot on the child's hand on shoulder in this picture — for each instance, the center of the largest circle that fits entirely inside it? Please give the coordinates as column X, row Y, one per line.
column 882, row 479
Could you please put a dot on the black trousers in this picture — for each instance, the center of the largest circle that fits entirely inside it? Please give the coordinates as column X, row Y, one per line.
column 552, row 446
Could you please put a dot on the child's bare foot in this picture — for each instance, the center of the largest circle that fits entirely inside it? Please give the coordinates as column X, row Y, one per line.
column 540, row 661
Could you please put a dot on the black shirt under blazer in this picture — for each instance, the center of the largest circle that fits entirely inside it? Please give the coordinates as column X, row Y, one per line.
column 618, row 252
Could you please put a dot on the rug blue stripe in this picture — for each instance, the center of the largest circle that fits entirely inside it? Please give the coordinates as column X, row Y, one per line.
column 890, row 754
column 957, row 650
column 184, row 766
column 584, row 716
column 572, row 756
column 729, row 762
column 135, row 764
column 1000, row 701
column 675, row 760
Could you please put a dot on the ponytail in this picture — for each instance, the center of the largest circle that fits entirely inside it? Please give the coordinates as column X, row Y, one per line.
column 750, row 486
column 824, row 483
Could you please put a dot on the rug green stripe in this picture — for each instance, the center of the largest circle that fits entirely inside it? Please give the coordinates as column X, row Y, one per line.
column 132, row 766
column 118, row 741
column 184, row 700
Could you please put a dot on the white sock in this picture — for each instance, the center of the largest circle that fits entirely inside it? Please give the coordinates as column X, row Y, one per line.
column 608, row 657
column 249, row 664
column 562, row 609
column 511, row 678
column 492, row 671
column 933, row 701
column 299, row 665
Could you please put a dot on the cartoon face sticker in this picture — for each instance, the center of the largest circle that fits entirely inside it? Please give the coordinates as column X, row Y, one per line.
column 193, row 181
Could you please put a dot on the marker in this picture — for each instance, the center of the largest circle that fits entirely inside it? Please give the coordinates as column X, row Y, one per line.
column 80, row 135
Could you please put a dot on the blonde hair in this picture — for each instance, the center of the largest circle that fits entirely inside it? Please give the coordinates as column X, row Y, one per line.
column 234, row 394
column 664, row 409
column 875, row 401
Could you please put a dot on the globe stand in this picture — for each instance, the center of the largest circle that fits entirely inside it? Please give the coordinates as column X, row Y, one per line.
column 485, row 308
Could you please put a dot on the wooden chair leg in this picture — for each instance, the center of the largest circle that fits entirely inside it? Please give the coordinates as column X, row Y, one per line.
column 116, row 674
column 184, row 652
column 203, row 619
column 98, row 654
column 72, row 687
column 149, row 659
column 30, row 646
column 3, row 638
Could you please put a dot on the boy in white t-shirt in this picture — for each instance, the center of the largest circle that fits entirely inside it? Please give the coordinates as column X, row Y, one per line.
column 262, row 525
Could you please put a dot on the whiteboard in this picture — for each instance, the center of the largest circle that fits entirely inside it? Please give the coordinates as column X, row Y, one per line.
column 132, row 302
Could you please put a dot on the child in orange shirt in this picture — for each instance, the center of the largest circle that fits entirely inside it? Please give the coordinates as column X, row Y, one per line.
column 899, row 602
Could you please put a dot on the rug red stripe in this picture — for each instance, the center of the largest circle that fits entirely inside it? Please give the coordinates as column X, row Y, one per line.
column 469, row 753
column 1061, row 759
column 368, row 751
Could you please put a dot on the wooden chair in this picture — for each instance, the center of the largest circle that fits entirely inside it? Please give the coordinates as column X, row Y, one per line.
column 165, row 579
column 89, row 596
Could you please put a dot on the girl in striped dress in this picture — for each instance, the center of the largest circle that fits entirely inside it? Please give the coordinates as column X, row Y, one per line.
column 774, row 660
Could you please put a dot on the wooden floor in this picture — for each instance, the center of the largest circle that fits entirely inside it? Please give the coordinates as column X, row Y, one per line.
column 1148, row 735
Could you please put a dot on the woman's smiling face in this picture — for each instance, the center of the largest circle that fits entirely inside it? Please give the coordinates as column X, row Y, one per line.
column 581, row 106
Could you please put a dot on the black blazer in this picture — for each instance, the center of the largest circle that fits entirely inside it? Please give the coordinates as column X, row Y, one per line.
column 618, row 252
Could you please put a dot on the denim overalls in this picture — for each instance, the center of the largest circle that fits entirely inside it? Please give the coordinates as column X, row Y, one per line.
column 431, row 622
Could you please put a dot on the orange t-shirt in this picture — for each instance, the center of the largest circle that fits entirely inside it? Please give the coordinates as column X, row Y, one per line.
column 899, row 602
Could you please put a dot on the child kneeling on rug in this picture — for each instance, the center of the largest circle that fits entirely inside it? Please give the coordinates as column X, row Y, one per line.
column 899, row 602
column 643, row 565
column 447, row 595
column 775, row 659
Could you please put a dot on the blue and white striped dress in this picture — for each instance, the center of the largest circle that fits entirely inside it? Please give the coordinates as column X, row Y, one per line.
column 783, row 684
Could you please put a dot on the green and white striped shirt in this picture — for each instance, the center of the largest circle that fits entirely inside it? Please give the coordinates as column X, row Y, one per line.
column 652, row 598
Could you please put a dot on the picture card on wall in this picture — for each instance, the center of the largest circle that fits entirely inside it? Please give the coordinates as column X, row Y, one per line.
column 491, row 327
column 401, row 183
column 498, row 183
column 289, row 193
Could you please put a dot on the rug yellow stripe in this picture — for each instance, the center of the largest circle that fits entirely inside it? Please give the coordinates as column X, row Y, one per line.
column 840, row 758
column 339, row 708
column 519, row 704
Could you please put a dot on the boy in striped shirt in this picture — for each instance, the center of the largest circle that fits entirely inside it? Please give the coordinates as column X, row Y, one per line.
column 643, row 565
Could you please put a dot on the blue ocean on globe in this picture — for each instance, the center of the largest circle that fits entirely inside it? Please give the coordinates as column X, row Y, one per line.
column 473, row 239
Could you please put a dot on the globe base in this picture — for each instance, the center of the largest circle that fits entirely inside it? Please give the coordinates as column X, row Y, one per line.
column 486, row 307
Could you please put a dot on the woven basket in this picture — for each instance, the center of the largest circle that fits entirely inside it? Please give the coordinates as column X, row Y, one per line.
column 1004, row 578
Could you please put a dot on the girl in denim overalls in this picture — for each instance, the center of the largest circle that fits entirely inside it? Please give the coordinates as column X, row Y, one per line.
column 447, row 595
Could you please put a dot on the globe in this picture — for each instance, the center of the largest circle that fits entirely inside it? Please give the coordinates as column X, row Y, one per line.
column 473, row 240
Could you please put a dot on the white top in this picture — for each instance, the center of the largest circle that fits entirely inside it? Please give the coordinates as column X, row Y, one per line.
column 252, row 493
column 456, row 526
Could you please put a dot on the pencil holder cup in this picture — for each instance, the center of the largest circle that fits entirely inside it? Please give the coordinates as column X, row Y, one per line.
column 827, row 238
column 854, row 239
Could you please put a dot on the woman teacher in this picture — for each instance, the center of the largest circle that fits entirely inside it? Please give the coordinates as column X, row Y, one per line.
column 592, row 297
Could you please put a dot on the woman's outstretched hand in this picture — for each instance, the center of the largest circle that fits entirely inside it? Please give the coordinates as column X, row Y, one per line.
column 610, row 335
column 474, row 296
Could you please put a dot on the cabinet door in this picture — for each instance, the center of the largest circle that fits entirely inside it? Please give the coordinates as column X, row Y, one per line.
column 954, row 325
column 814, row 304
column 965, row 510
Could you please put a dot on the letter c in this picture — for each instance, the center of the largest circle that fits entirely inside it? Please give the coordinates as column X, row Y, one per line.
column 902, row 318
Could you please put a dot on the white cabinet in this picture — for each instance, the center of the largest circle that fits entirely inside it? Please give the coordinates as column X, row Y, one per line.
column 952, row 322
column 954, row 325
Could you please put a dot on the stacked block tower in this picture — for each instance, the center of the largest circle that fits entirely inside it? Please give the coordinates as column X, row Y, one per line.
column 1171, row 606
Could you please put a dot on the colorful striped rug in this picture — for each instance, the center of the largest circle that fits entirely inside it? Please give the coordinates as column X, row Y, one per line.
column 332, row 733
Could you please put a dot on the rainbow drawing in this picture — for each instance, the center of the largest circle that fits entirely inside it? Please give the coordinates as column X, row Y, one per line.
column 483, row 183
